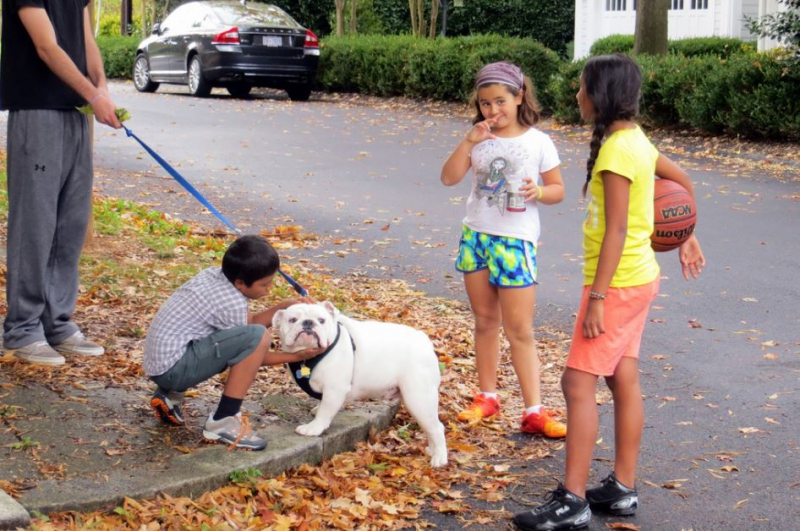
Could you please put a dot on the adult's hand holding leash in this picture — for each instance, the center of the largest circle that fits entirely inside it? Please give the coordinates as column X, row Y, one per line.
column 104, row 110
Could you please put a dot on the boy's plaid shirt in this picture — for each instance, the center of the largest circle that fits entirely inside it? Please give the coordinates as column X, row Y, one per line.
column 207, row 303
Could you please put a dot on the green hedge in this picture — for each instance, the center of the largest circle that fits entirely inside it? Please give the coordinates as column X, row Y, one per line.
column 563, row 89
column 753, row 95
column 719, row 46
column 118, row 55
column 439, row 68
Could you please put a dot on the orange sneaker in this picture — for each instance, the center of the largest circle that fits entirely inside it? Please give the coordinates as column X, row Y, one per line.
column 482, row 407
column 543, row 424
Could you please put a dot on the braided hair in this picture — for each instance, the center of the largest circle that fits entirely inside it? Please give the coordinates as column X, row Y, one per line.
column 613, row 84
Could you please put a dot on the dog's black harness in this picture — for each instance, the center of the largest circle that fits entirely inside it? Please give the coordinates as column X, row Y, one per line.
column 296, row 367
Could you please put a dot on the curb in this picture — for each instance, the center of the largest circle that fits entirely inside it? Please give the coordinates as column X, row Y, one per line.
column 12, row 514
column 206, row 469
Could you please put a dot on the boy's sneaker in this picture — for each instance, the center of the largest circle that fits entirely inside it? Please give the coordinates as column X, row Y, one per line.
column 168, row 410
column 234, row 431
column 543, row 424
column 612, row 497
column 79, row 345
column 39, row 353
column 562, row 510
column 482, row 407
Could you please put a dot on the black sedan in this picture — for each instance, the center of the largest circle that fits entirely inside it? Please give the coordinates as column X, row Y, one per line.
column 227, row 43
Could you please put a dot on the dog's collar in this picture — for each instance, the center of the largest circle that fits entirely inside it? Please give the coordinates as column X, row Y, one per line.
column 305, row 381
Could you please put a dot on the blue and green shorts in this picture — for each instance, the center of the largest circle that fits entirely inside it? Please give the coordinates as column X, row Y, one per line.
column 511, row 261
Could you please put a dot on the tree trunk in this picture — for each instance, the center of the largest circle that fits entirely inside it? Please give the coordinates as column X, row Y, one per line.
column 434, row 16
column 651, row 27
column 444, row 18
column 353, row 5
column 412, row 9
column 144, row 19
column 421, row 17
column 340, row 18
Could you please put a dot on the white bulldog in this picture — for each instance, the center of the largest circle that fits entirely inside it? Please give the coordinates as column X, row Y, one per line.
column 367, row 359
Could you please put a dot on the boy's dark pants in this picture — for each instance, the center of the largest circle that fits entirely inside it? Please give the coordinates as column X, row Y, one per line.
column 210, row 356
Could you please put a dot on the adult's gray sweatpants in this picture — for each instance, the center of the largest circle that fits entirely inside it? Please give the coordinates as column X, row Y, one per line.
column 49, row 203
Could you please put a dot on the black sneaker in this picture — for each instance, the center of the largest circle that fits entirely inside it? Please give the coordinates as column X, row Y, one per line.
column 612, row 497
column 167, row 410
column 562, row 510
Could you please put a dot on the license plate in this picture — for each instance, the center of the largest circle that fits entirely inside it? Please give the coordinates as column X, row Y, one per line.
column 271, row 40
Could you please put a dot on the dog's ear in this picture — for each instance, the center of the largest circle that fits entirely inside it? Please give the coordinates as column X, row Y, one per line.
column 328, row 305
column 277, row 318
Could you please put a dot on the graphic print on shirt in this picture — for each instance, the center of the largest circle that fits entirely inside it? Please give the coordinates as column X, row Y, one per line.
column 493, row 185
column 499, row 174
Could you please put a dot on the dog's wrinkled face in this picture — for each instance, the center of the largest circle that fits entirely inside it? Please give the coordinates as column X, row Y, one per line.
column 303, row 326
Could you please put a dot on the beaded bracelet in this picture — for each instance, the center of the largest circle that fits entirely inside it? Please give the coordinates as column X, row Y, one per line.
column 597, row 296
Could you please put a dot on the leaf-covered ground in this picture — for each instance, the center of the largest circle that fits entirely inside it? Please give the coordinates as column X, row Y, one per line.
column 136, row 258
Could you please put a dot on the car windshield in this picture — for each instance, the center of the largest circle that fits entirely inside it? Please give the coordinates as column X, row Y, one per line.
column 253, row 14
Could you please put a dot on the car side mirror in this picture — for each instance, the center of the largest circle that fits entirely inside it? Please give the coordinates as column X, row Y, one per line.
column 156, row 29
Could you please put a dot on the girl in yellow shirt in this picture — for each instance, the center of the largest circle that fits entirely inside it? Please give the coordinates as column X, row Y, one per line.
column 620, row 281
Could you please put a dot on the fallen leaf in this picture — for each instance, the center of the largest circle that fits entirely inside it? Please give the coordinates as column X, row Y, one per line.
column 749, row 430
column 622, row 525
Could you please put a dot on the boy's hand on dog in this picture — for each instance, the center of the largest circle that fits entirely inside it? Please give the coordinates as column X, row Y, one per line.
column 309, row 353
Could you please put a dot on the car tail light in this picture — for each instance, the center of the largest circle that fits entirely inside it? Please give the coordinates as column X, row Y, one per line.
column 229, row 36
column 311, row 40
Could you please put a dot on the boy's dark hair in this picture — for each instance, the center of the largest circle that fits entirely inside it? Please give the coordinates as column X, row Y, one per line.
column 613, row 84
column 250, row 258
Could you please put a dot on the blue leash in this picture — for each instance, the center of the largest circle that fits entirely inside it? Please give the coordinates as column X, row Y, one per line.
column 192, row 190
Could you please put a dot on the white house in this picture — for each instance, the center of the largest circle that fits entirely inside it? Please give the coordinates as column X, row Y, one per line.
column 595, row 19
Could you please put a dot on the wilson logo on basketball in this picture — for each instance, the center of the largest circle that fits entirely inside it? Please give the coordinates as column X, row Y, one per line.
column 676, row 211
column 678, row 235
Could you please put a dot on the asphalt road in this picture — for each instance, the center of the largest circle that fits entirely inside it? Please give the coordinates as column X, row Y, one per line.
column 721, row 355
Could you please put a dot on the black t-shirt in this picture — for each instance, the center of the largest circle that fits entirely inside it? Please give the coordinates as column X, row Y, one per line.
column 25, row 80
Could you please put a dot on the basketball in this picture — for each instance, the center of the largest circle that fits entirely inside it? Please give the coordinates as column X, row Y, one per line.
column 675, row 216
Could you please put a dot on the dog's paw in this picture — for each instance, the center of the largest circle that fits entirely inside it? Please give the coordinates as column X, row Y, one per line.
column 437, row 459
column 311, row 429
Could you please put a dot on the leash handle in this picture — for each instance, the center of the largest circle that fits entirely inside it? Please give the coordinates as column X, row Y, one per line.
column 192, row 190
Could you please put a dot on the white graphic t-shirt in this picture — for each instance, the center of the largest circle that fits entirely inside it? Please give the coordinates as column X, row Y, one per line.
column 498, row 169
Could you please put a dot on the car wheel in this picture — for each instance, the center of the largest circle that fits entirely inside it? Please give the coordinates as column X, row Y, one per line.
column 241, row 90
column 198, row 85
column 141, row 75
column 299, row 92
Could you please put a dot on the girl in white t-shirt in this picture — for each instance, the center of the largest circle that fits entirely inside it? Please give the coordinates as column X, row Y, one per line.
column 515, row 168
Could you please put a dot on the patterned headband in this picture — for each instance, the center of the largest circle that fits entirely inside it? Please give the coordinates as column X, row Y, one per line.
column 502, row 72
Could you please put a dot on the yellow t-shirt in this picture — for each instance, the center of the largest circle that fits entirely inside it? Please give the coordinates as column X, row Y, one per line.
column 628, row 153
